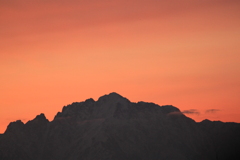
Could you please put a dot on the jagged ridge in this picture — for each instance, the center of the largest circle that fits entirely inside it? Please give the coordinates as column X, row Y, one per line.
column 115, row 128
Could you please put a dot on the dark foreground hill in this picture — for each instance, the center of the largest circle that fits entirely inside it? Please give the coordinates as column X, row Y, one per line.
column 113, row 128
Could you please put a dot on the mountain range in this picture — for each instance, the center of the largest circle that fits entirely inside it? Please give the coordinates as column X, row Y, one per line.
column 113, row 128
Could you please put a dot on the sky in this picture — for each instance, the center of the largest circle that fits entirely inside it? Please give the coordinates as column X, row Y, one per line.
column 178, row 52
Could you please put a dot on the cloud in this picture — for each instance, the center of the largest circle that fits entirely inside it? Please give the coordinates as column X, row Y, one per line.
column 191, row 111
column 212, row 110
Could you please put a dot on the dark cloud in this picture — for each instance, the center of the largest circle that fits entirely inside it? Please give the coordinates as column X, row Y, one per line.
column 212, row 110
column 191, row 111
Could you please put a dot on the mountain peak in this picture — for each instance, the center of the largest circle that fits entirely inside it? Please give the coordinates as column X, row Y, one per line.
column 39, row 119
column 112, row 95
column 15, row 126
column 41, row 116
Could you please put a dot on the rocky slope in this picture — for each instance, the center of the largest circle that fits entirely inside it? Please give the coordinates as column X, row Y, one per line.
column 113, row 128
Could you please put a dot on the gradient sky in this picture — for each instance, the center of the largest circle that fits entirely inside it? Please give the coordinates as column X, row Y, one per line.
column 180, row 52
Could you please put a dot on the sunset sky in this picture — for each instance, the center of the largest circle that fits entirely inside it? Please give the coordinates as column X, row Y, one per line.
column 180, row 52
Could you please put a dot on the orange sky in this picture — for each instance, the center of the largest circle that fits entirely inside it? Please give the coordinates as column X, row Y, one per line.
column 180, row 52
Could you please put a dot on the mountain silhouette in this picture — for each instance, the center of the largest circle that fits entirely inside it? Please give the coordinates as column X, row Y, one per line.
column 113, row 128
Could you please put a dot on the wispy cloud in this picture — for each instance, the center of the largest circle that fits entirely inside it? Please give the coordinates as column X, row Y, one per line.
column 191, row 111
column 212, row 110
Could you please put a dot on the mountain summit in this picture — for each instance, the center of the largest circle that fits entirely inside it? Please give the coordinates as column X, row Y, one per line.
column 113, row 128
